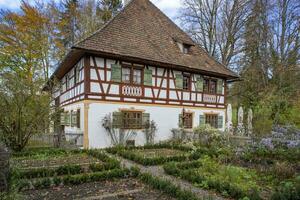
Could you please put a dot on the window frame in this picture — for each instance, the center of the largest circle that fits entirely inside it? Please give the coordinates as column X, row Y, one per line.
column 212, row 120
column 131, row 75
column 127, row 123
column 187, row 123
column 207, row 85
column 189, row 84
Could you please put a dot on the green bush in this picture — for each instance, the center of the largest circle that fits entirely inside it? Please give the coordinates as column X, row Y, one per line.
column 228, row 180
column 167, row 187
column 46, row 172
column 289, row 190
column 73, row 179
column 150, row 161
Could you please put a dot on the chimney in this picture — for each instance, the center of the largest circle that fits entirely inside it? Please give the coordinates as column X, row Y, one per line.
column 125, row 2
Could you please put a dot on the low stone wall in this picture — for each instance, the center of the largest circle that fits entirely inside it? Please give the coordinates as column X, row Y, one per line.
column 4, row 167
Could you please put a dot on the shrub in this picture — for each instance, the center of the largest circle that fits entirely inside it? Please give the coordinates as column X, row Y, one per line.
column 73, row 179
column 46, row 172
column 289, row 190
column 167, row 187
column 208, row 135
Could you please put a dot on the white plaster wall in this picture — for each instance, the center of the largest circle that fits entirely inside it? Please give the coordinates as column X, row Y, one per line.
column 166, row 118
column 75, row 107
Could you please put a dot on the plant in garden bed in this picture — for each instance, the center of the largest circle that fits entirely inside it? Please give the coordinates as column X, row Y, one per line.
column 230, row 181
column 72, row 179
column 46, row 172
column 131, row 155
column 163, row 185
column 288, row 190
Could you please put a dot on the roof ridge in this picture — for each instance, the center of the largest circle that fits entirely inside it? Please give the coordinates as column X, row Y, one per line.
column 105, row 25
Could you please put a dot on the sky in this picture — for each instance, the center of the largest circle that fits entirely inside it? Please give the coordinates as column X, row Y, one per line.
column 169, row 7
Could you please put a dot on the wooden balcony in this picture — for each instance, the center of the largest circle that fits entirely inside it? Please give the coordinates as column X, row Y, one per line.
column 132, row 91
column 209, row 98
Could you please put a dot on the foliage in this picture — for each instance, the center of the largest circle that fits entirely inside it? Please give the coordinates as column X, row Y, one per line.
column 150, row 132
column 131, row 155
column 228, row 180
column 73, row 179
column 208, row 135
column 289, row 190
column 118, row 136
column 167, row 187
column 26, row 110
column 48, row 172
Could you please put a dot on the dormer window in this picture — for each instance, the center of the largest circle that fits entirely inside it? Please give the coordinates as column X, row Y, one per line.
column 184, row 48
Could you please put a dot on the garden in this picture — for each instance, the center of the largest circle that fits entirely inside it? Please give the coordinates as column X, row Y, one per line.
column 51, row 173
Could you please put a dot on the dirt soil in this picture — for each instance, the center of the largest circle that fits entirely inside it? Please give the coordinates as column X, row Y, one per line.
column 121, row 189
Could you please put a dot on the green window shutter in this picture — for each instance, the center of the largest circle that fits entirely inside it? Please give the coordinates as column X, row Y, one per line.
column 78, row 118
column 180, row 121
column 220, row 121
column 179, row 81
column 73, row 118
column 116, row 73
column 67, row 119
column 202, row 120
column 117, row 120
column 148, row 77
column 220, row 86
column 62, row 119
column 199, row 83
column 146, row 120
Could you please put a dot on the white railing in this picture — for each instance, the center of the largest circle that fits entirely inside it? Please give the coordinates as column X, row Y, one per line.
column 209, row 98
column 132, row 91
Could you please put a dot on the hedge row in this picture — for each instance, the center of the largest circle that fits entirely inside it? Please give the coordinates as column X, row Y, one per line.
column 150, row 161
column 108, row 164
column 46, row 151
column 186, row 171
column 72, row 179
column 163, row 185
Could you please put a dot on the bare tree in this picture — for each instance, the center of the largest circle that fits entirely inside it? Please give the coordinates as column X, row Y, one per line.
column 217, row 26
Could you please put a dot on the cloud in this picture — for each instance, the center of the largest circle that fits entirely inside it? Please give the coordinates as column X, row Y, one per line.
column 169, row 7
column 9, row 4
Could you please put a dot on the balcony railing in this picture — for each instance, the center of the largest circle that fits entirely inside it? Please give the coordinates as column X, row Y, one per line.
column 209, row 98
column 132, row 91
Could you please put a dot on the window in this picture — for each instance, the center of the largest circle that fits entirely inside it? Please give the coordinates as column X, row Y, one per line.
column 131, row 75
column 212, row 120
column 210, row 86
column 126, row 75
column 186, row 82
column 186, row 48
column 137, row 76
column 186, row 120
column 213, row 87
column 132, row 120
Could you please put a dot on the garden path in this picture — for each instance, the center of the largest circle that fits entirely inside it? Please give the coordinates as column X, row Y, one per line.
column 158, row 171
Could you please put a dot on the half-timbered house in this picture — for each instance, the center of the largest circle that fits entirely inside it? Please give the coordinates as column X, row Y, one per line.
column 139, row 67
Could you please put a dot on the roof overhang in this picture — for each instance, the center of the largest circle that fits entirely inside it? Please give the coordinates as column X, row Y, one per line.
column 156, row 63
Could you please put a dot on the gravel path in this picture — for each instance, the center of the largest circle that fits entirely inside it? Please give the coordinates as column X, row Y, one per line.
column 158, row 171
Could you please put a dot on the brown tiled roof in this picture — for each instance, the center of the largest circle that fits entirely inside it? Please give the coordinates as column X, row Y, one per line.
column 142, row 31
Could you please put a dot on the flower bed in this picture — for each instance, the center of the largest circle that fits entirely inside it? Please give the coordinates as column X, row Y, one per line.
column 232, row 181
column 152, row 155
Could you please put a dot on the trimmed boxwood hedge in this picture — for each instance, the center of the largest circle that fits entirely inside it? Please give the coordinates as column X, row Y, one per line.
column 128, row 153
column 108, row 164
column 72, row 179
column 186, row 171
column 162, row 185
